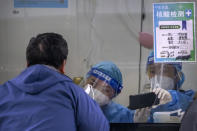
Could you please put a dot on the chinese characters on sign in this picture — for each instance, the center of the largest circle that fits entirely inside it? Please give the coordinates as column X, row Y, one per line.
column 174, row 32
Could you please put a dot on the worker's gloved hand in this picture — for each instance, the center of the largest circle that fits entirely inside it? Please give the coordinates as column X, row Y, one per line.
column 141, row 115
column 163, row 95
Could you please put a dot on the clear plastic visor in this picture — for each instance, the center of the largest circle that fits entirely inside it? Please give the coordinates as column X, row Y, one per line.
column 162, row 75
column 100, row 85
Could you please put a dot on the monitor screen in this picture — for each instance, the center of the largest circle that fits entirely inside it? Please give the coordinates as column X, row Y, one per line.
column 144, row 126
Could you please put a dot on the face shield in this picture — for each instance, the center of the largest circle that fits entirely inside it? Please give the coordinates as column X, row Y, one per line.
column 162, row 75
column 101, row 87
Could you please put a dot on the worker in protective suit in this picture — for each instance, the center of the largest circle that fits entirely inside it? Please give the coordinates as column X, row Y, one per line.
column 166, row 80
column 104, row 82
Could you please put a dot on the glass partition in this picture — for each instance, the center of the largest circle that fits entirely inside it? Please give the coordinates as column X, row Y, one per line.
column 96, row 30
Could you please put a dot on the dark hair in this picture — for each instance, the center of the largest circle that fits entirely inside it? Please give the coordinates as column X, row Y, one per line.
column 47, row 48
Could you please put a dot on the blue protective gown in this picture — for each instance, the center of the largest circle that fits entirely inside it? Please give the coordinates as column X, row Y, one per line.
column 41, row 99
column 116, row 113
column 180, row 100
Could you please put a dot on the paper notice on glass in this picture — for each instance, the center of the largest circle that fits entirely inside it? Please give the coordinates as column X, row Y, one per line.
column 174, row 32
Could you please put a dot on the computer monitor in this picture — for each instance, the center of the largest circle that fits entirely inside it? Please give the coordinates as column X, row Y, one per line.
column 144, row 126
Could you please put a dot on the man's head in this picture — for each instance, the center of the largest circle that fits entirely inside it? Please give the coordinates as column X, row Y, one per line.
column 167, row 74
column 48, row 49
column 105, row 78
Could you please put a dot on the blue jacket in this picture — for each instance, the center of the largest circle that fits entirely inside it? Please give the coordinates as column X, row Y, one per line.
column 116, row 113
column 41, row 99
column 180, row 100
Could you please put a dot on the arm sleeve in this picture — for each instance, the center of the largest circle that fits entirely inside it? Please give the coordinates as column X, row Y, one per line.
column 180, row 100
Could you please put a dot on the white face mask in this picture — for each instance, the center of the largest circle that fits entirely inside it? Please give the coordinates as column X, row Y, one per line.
column 97, row 95
column 100, row 98
column 165, row 82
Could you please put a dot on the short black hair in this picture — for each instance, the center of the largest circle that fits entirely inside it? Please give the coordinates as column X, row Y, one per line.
column 47, row 48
